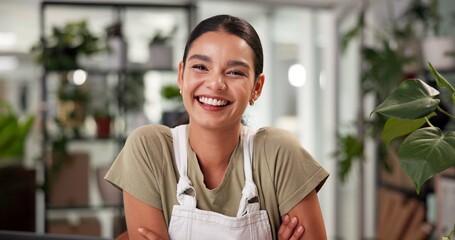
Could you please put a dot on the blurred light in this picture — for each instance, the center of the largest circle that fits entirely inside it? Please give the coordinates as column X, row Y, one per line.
column 7, row 40
column 8, row 63
column 79, row 77
column 297, row 75
column 322, row 80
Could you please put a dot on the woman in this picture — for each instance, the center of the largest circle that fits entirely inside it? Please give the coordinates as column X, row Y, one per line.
column 215, row 178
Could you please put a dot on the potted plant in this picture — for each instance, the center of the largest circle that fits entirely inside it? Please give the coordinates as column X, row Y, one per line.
column 72, row 103
column 384, row 64
column 17, row 183
column 13, row 133
column 103, row 121
column 161, row 50
column 60, row 51
column 426, row 150
column 116, row 47
column 436, row 48
column 172, row 105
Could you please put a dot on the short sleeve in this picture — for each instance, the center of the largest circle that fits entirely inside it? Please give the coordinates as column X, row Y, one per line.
column 295, row 173
column 138, row 168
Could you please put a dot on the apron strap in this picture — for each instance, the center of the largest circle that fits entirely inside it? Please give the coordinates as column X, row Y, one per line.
column 249, row 190
column 179, row 140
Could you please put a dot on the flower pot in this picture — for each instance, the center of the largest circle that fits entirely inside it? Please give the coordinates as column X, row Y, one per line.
column 160, row 56
column 117, row 55
column 103, row 127
column 437, row 51
column 17, row 198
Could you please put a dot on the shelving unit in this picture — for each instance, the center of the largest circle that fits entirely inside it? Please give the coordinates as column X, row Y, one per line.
column 110, row 216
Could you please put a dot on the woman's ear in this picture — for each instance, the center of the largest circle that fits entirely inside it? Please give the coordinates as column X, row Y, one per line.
column 257, row 88
column 180, row 75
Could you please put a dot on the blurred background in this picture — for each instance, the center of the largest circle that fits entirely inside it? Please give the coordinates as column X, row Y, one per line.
column 76, row 77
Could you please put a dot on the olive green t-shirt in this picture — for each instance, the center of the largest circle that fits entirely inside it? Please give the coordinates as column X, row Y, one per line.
column 283, row 172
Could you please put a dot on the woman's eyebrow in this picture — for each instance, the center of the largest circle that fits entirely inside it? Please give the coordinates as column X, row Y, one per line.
column 200, row 57
column 231, row 63
column 235, row 63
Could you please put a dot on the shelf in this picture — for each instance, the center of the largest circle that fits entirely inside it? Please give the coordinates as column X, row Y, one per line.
column 85, row 208
column 110, row 84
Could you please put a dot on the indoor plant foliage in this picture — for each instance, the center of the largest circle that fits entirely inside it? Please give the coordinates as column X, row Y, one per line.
column 13, row 132
column 428, row 150
column 161, row 50
column 173, row 111
column 394, row 55
column 60, row 50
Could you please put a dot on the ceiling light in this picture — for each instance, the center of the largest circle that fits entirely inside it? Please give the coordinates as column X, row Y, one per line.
column 297, row 75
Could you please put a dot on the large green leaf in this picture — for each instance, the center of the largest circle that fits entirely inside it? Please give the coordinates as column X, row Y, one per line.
column 413, row 99
column 441, row 81
column 395, row 127
column 425, row 153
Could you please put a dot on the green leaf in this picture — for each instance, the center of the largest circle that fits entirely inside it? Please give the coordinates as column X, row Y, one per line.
column 441, row 81
column 350, row 148
column 425, row 153
column 413, row 99
column 395, row 127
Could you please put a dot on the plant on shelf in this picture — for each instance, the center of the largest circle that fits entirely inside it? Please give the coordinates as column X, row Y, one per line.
column 426, row 150
column 384, row 64
column 161, row 50
column 13, row 133
column 395, row 55
column 103, row 119
column 162, row 38
column 173, row 104
column 60, row 50
column 72, row 103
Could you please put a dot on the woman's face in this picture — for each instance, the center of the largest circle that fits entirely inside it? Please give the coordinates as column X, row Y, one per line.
column 217, row 80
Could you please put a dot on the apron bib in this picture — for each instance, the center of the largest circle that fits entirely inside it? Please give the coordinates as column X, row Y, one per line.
column 188, row 222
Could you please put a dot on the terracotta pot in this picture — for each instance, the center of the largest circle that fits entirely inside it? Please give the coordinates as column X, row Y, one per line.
column 103, row 127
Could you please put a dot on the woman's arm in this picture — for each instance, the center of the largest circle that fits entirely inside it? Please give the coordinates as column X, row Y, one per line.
column 289, row 230
column 309, row 215
column 141, row 215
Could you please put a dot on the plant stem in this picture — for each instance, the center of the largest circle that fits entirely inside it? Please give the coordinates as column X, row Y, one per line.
column 428, row 122
column 452, row 232
column 446, row 113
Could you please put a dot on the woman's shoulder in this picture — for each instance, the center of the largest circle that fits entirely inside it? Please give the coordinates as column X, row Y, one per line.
column 150, row 132
column 276, row 137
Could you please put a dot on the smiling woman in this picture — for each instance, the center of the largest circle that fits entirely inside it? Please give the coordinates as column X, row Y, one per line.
column 214, row 175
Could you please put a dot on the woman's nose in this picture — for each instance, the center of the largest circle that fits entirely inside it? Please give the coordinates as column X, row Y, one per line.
column 217, row 82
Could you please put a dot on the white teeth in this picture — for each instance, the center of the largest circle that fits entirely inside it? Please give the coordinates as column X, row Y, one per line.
column 212, row 101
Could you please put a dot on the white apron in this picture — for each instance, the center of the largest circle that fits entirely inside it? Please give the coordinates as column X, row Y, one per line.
column 188, row 222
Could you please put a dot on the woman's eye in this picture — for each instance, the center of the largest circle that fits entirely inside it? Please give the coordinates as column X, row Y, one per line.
column 199, row 67
column 235, row 72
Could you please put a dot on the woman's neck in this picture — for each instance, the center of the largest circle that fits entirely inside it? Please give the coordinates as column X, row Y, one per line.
column 213, row 149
